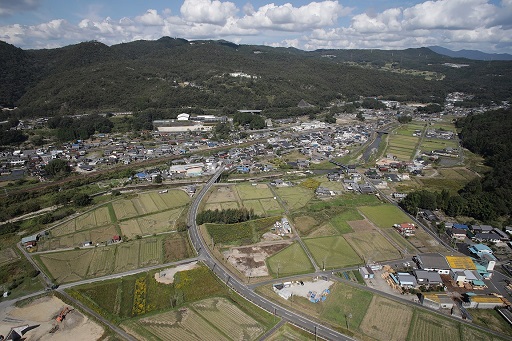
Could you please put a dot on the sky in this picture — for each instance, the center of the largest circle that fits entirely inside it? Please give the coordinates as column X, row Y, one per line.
column 484, row 25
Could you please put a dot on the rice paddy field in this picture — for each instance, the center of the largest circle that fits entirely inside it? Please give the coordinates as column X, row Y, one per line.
column 149, row 202
column 74, row 265
column 332, row 252
column 371, row 245
column 247, row 191
column 150, row 224
column 429, row 145
column 403, row 147
column 384, row 216
column 289, row 261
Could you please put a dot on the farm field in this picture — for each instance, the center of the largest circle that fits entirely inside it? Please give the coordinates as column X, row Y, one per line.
column 248, row 232
column 149, row 202
column 247, row 191
column 345, row 300
column 339, row 221
column 386, row 320
column 289, row 261
column 220, row 194
column 7, row 255
column 384, row 216
column 150, row 224
column 429, row 145
column 490, row 318
column 426, row 326
column 372, row 246
column 289, row 332
column 332, row 252
column 73, row 265
column 471, row 334
column 295, row 197
column 400, row 240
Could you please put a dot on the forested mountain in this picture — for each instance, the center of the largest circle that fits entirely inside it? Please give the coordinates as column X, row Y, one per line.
column 471, row 54
column 176, row 73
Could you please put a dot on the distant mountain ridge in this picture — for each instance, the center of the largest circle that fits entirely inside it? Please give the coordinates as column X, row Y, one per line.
column 170, row 74
column 470, row 54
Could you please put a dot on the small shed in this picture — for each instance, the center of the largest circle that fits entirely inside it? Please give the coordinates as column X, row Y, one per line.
column 366, row 272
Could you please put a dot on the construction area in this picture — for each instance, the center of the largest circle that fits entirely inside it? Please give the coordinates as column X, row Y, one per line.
column 47, row 318
column 315, row 291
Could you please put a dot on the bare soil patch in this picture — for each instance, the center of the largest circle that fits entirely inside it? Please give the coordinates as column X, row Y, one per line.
column 166, row 276
column 361, row 225
column 41, row 314
column 250, row 260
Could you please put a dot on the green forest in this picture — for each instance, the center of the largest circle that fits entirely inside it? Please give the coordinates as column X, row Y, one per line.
column 171, row 74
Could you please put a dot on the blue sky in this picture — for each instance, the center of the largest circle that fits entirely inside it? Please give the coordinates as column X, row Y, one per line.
column 386, row 24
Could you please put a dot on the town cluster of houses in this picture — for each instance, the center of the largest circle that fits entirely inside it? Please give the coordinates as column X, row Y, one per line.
column 450, row 277
column 478, row 233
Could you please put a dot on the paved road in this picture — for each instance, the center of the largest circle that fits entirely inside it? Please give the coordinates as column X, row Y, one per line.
column 232, row 281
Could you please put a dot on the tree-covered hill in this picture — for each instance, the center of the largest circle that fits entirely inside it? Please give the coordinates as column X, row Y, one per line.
column 176, row 73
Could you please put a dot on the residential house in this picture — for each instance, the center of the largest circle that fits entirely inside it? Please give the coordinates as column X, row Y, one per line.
column 457, row 234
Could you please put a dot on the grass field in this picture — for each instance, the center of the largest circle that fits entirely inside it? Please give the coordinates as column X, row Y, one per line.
column 387, row 320
column 295, row 197
column 490, row 318
column 429, row 145
column 384, row 216
column 340, row 220
column 371, row 245
column 470, row 334
column 247, row 191
column 289, row 261
column 345, row 300
column 428, row 327
column 332, row 252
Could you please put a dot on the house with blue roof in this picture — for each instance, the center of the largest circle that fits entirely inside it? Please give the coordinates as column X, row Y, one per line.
column 460, row 226
column 480, row 249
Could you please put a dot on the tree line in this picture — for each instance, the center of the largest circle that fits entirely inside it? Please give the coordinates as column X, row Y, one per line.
column 227, row 216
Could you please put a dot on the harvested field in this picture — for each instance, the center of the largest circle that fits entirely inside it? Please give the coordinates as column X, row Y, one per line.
column 229, row 205
column 214, row 206
column 130, row 228
column 360, row 225
column 250, row 260
column 63, row 229
column 221, row 194
column 332, row 252
column 177, row 325
column 102, row 216
column 7, row 255
column 86, row 221
column 426, row 326
column 102, row 262
column 67, row 266
column 176, row 246
column 326, row 230
column 295, row 197
column 387, row 320
column 150, row 252
column 42, row 312
column 124, row 209
column 271, row 206
column 102, row 234
column 304, row 223
column 227, row 317
column 372, row 246
column 127, row 257
column 289, row 332
column 255, row 205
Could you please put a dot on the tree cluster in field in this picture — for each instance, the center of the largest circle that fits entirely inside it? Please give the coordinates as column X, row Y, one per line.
column 252, row 120
column 484, row 198
column 172, row 73
column 69, row 129
column 228, row 216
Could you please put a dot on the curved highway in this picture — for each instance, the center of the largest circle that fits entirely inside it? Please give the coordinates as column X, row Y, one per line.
column 218, row 268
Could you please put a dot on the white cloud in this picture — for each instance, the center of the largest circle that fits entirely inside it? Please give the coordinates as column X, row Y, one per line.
column 449, row 14
column 289, row 18
column 208, row 11
column 474, row 24
column 150, row 18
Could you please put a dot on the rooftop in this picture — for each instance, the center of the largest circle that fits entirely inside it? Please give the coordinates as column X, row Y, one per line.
column 433, row 261
column 460, row 262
